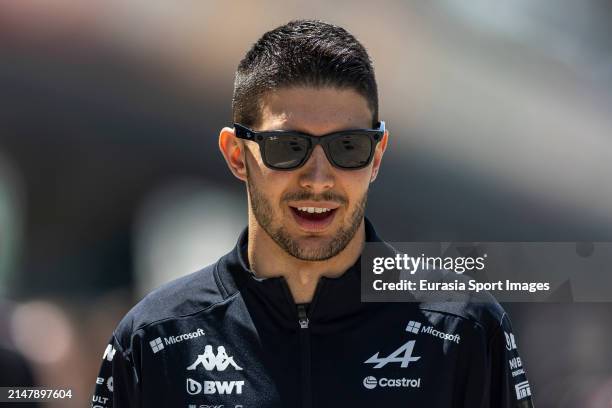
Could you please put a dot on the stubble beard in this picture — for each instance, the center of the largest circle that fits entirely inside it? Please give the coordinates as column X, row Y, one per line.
column 263, row 211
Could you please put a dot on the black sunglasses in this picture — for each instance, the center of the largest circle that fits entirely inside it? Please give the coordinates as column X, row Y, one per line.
column 289, row 150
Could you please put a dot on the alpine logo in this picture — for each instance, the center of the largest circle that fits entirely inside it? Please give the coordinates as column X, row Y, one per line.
column 417, row 327
column 210, row 361
column 214, row 387
column 402, row 355
column 157, row 345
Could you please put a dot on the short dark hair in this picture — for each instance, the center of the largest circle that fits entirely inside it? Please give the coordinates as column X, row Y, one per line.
column 302, row 53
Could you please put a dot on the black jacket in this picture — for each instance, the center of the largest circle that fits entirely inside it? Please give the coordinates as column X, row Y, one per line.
column 222, row 337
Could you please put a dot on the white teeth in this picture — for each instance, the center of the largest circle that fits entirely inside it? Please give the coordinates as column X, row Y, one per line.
column 314, row 209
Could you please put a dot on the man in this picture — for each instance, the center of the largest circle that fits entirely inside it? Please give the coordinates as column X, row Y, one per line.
column 278, row 321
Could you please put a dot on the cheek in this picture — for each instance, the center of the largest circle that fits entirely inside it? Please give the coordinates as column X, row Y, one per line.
column 270, row 183
column 355, row 182
column 273, row 184
column 253, row 156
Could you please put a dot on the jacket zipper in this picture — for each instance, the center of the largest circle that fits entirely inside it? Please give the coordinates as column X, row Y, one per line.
column 304, row 322
column 304, row 340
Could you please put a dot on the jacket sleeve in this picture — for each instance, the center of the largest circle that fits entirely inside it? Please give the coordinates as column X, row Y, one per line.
column 509, row 385
column 117, row 383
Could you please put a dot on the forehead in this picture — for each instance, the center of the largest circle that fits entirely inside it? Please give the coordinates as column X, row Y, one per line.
column 314, row 110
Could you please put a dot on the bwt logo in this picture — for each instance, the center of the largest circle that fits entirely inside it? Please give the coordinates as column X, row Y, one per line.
column 214, row 387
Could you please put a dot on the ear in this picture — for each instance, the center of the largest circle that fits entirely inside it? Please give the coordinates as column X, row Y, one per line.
column 378, row 155
column 232, row 149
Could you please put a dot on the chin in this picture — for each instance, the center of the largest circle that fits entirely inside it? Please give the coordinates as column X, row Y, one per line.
column 313, row 250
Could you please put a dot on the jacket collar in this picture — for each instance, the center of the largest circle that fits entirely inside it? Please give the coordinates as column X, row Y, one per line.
column 334, row 297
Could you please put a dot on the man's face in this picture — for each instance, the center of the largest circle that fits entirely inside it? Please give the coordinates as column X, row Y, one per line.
column 283, row 201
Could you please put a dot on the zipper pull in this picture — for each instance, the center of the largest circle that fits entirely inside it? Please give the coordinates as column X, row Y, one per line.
column 302, row 317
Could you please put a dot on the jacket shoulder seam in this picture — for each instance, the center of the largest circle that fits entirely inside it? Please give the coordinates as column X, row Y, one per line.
column 455, row 315
column 144, row 326
column 219, row 282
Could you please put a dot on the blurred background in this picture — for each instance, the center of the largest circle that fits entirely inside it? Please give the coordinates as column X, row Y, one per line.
column 111, row 182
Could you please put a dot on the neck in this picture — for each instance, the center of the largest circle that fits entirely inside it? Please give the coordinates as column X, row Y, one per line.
column 268, row 259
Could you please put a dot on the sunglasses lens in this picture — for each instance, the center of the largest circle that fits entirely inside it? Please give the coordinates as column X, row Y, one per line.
column 286, row 152
column 351, row 150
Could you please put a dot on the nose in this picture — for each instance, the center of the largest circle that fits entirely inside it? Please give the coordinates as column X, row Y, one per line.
column 317, row 174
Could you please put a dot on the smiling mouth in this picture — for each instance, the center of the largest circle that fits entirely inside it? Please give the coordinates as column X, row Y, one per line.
column 313, row 219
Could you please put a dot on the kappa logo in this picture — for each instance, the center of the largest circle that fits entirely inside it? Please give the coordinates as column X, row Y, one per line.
column 210, row 361
column 402, row 355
